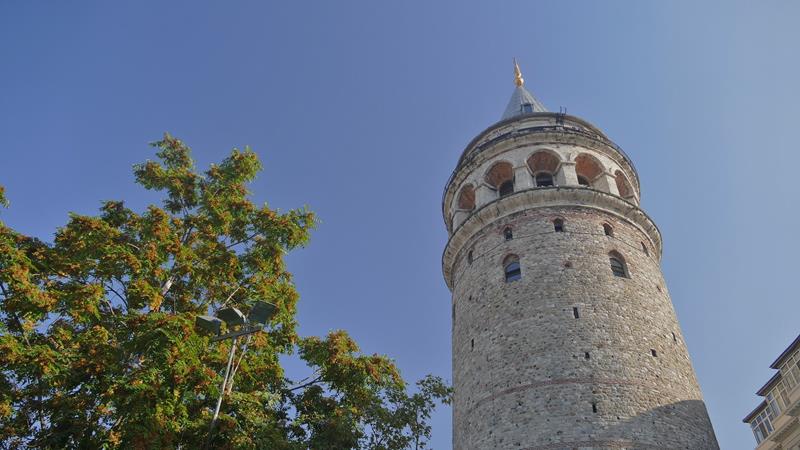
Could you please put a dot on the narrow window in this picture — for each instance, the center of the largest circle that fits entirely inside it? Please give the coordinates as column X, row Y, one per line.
column 512, row 269
column 544, row 179
column 608, row 230
column 507, row 188
column 583, row 181
column 454, row 313
column 645, row 250
column 617, row 265
column 594, row 407
column 508, row 233
column 654, row 353
column 527, row 108
column 674, row 338
column 472, row 344
column 586, row 355
column 513, row 272
column 578, row 315
column 558, row 225
column 469, row 257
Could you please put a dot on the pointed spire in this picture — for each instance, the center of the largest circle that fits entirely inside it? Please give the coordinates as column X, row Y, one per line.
column 518, row 80
column 521, row 102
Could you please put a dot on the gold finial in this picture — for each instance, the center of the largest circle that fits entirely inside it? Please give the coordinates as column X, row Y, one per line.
column 518, row 80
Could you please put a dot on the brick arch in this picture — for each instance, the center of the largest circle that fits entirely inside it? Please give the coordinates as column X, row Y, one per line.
column 544, row 161
column 509, row 258
column 588, row 167
column 466, row 197
column 623, row 185
column 499, row 173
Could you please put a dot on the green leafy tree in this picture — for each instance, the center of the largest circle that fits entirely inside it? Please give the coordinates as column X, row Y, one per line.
column 98, row 347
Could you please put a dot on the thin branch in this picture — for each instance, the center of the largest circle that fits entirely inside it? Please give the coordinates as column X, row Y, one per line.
column 314, row 381
column 234, row 244
column 124, row 301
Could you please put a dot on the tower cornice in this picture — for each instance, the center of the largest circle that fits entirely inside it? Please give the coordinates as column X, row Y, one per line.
column 537, row 128
column 542, row 197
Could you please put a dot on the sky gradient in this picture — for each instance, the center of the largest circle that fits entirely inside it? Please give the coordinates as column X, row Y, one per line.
column 360, row 110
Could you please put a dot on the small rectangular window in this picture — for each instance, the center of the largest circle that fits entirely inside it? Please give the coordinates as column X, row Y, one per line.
column 674, row 338
column 586, row 355
column 653, row 352
column 594, row 407
column 576, row 313
column 472, row 344
column 527, row 108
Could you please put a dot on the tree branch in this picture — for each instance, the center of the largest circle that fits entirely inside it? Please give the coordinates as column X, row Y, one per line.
column 314, row 381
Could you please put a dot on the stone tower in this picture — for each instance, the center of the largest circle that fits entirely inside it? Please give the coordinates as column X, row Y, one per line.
column 564, row 335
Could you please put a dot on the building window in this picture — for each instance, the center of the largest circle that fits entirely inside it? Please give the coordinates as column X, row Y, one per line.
column 583, row 181
column 543, row 179
column 469, row 257
column 508, row 233
column 512, row 269
column 644, row 249
column 617, row 265
column 558, row 225
column 790, row 370
column 506, row 188
column 608, row 230
column 527, row 108
column 762, row 424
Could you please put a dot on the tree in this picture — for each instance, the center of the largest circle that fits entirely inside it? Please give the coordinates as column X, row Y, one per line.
column 98, row 347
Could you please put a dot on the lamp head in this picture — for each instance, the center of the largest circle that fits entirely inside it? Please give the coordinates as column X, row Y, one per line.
column 262, row 312
column 208, row 324
column 232, row 316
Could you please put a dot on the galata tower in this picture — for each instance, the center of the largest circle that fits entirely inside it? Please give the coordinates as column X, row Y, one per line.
column 564, row 334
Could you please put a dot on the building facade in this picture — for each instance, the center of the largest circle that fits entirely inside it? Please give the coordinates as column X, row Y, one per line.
column 564, row 334
column 775, row 422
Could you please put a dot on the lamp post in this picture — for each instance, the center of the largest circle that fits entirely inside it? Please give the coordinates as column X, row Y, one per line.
column 237, row 325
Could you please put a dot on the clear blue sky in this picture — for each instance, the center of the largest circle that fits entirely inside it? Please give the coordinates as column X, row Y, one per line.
column 361, row 109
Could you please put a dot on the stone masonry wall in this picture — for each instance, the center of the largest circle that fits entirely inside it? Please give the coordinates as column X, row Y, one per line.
column 528, row 374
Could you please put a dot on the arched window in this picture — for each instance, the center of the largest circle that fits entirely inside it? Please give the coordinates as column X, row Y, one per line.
column 608, row 230
column 469, row 257
column 644, row 248
column 466, row 198
column 618, row 267
column 511, row 268
column 543, row 164
column 588, row 168
column 507, row 188
column 543, row 179
column 623, row 186
column 558, row 225
column 508, row 233
column 501, row 177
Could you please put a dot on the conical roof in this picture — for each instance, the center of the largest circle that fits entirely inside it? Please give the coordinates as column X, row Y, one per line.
column 522, row 101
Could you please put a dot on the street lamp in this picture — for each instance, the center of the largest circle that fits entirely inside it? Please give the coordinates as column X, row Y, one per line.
column 237, row 325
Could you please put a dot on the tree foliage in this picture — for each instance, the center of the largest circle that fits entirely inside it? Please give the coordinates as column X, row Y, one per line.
column 98, row 347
